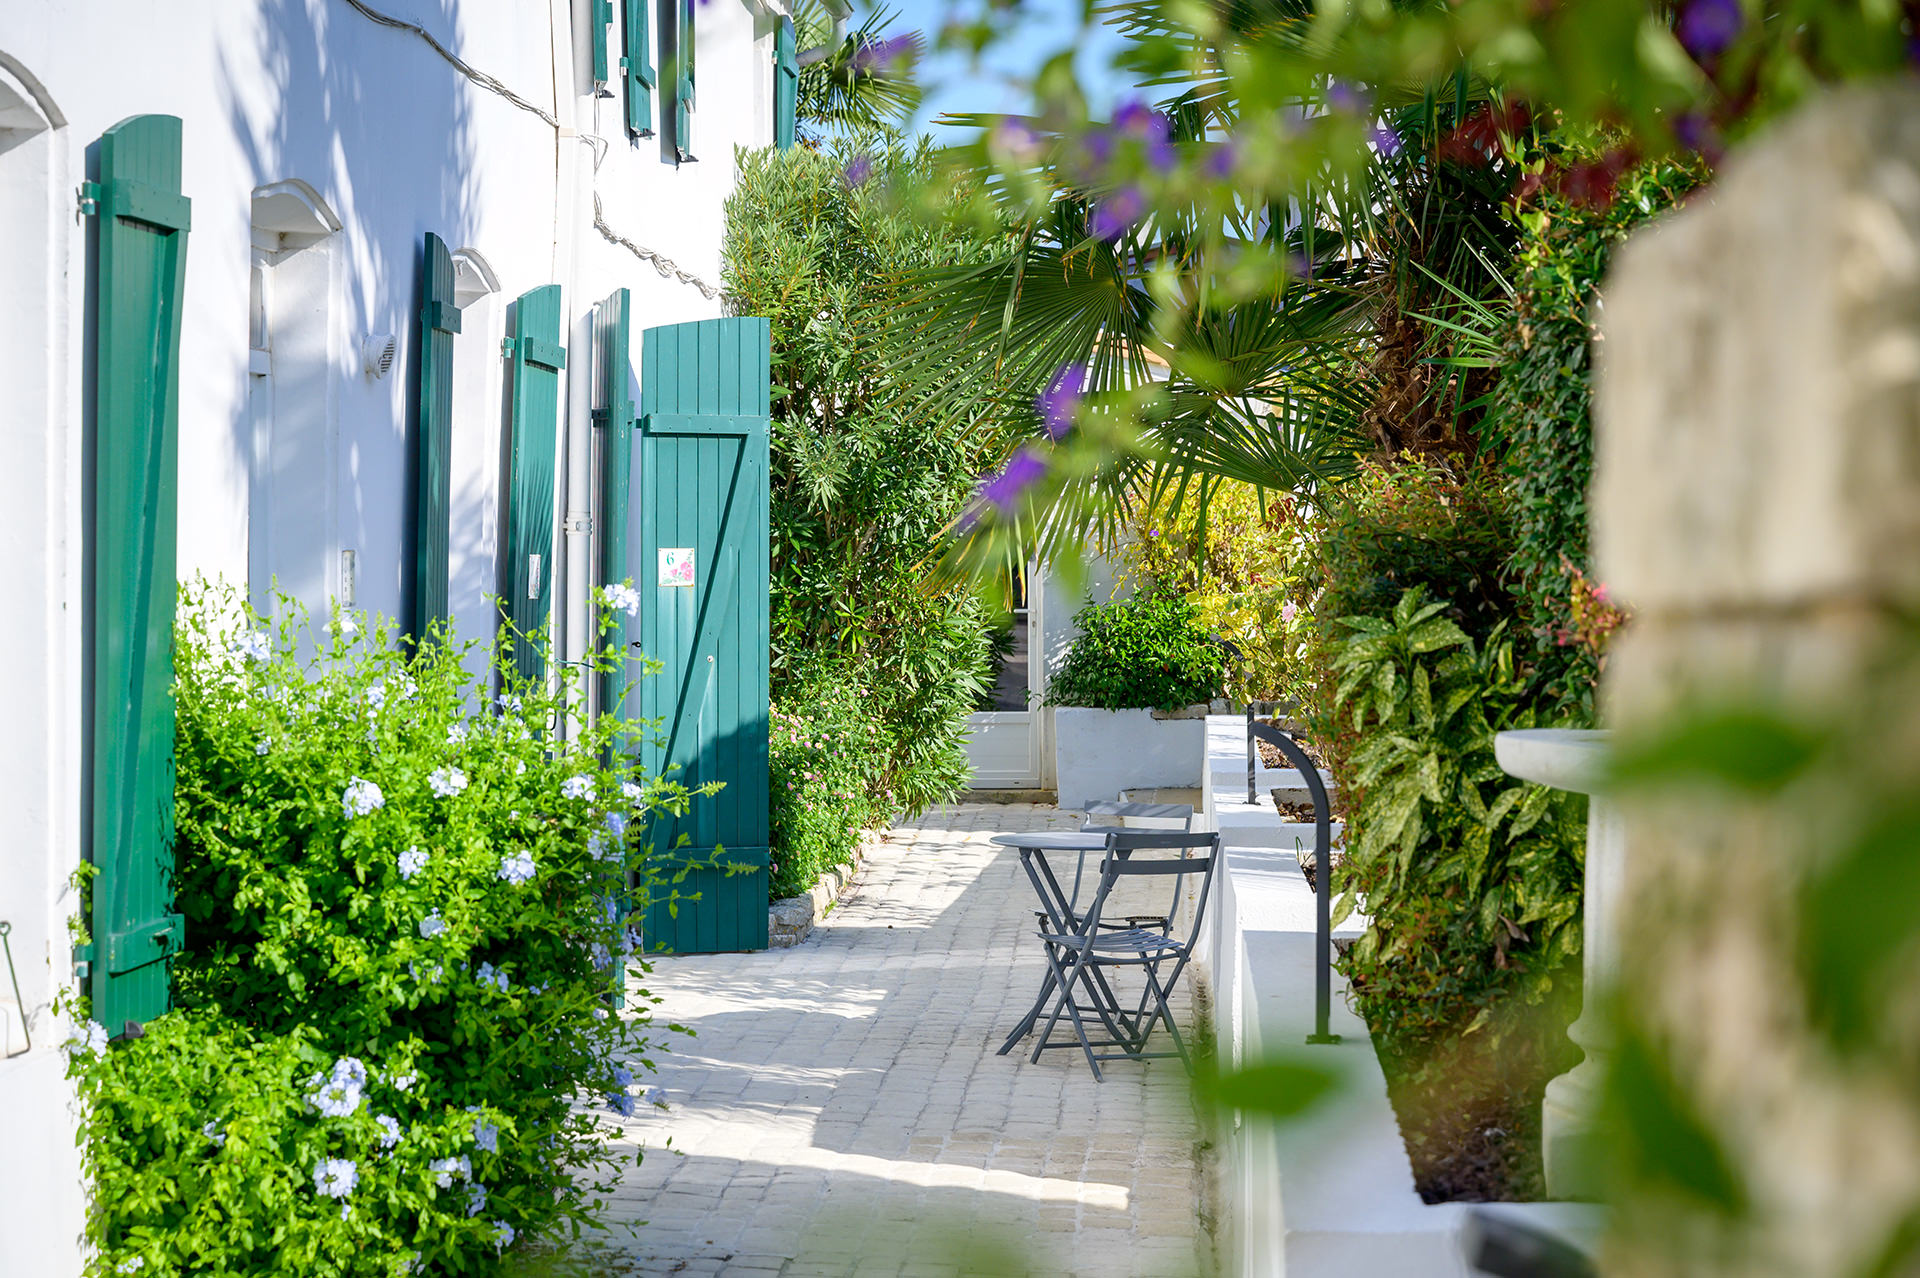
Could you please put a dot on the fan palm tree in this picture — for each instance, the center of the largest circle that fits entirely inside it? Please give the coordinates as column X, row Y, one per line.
column 1348, row 352
column 858, row 82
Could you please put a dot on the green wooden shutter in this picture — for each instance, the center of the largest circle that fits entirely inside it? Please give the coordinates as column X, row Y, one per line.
column 701, row 476
column 636, row 68
column 527, row 580
column 143, row 221
column 433, row 425
column 786, row 84
column 599, row 15
column 683, row 81
column 615, row 418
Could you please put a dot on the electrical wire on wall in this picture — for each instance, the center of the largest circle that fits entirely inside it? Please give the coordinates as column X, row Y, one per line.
column 660, row 262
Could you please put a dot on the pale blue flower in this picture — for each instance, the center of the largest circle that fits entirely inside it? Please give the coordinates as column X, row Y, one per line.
column 88, row 1036
column 517, row 867
column 655, row 1096
column 624, row 598
column 621, row 1103
column 503, row 1235
column 213, row 1133
column 476, row 1199
column 337, row 1096
column 254, row 645
column 349, row 1069
column 447, row 1170
column 131, row 1265
column 633, row 791
column 404, row 1082
column 491, row 975
column 578, row 786
column 266, row 744
column 335, row 1177
column 596, row 846
column 457, row 734
column 447, row 781
column 432, row 926
column 361, row 797
column 486, row 1136
column 617, row 823
column 389, row 1130
column 412, row 861
column 622, row 1076
column 601, row 955
column 432, row 973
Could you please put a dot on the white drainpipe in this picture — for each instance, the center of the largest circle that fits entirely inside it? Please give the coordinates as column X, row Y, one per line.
column 572, row 191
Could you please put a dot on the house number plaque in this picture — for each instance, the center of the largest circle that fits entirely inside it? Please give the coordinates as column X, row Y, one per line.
column 676, row 566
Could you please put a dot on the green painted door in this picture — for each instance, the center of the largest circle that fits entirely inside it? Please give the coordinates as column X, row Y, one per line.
column 142, row 221
column 527, row 576
column 698, row 535
column 433, row 436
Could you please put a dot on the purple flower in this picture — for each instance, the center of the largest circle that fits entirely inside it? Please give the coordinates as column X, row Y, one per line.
column 888, row 52
column 1707, row 27
column 1300, row 266
column 1056, row 404
column 1342, row 96
column 1022, row 471
column 1385, row 140
column 1117, row 214
column 1096, row 148
column 1017, row 138
column 1221, row 159
column 1136, row 119
column 858, row 170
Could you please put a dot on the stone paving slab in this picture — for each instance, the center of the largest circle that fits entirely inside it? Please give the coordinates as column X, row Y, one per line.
column 840, row 1109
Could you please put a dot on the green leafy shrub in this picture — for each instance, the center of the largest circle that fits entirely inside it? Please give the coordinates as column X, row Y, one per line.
column 1242, row 559
column 861, row 489
column 1146, row 651
column 1540, row 420
column 1468, row 971
column 393, row 1021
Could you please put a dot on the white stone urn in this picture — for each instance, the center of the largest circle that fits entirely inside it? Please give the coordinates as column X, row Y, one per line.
column 1572, row 759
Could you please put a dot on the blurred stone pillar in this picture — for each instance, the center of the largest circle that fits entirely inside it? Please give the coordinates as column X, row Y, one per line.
column 1757, row 506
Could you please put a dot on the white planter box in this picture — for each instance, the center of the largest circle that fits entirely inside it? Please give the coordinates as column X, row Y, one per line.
column 1099, row 753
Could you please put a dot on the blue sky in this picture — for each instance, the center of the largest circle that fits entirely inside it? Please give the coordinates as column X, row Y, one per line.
column 1047, row 26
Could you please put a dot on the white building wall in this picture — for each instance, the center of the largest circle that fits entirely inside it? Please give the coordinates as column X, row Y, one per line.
column 393, row 142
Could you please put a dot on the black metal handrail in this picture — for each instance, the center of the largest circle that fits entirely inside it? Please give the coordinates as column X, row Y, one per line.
column 1322, row 876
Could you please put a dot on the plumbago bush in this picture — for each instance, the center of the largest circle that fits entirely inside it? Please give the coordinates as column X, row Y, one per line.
column 394, row 1044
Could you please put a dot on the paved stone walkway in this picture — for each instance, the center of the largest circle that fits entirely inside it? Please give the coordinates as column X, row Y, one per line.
column 841, row 1109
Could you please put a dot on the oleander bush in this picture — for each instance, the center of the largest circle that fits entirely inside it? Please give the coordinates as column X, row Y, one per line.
column 860, row 490
column 823, row 744
column 395, row 1039
column 1144, row 652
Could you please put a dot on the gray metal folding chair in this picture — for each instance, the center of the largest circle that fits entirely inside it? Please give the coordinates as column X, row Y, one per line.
column 1082, row 956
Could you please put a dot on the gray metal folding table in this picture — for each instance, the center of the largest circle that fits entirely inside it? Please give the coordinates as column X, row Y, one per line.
column 1056, row 904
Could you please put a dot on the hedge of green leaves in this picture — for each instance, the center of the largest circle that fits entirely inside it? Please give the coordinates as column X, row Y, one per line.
column 1144, row 652
column 394, row 1020
column 1540, row 421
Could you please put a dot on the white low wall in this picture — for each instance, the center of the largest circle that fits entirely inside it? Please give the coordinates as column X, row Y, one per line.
column 1099, row 753
column 1328, row 1195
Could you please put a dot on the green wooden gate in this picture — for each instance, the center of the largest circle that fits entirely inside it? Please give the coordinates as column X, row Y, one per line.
column 143, row 221
column 699, row 556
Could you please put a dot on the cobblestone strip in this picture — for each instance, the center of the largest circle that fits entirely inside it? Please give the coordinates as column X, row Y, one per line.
column 841, row 1111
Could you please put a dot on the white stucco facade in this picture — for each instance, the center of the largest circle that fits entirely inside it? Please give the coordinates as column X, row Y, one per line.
column 320, row 146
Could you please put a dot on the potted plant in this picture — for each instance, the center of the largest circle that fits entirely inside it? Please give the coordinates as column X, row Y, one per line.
column 1130, row 699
